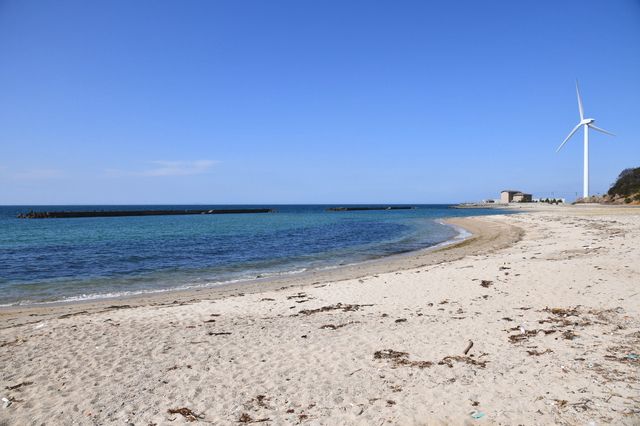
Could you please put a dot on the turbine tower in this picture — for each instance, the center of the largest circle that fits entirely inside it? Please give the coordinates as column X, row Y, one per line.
column 586, row 123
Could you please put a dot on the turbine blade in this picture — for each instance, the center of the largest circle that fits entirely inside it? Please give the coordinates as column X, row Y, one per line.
column 579, row 102
column 575, row 129
column 600, row 130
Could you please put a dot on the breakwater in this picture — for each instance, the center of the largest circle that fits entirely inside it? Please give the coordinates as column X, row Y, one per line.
column 120, row 213
column 350, row 209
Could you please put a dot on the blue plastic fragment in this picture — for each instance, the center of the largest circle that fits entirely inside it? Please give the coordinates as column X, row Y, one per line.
column 477, row 415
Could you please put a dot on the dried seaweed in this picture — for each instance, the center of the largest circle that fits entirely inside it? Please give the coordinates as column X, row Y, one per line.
column 563, row 312
column 448, row 361
column 389, row 354
column 401, row 320
column 73, row 314
column 400, row 358
column 515, row 338
column 486, row 283
column 297, row 296
column 538, row 353
column 418, row 364
column 18, row 386
column 338, row 306
column 185, row 412
column 219, row 333
column 335, row 327
column 569, row 335
column 625, row 359
column 12, row 342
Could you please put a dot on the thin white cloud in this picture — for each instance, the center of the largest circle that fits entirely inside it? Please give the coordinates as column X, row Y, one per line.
column 168, row 168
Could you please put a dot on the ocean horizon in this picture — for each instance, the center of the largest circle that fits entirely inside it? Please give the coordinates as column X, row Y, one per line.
column 73, row 259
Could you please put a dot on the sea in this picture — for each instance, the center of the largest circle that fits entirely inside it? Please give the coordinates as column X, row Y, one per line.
column 73, row 259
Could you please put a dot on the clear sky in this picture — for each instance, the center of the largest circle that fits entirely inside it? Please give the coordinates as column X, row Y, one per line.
column 136, row 102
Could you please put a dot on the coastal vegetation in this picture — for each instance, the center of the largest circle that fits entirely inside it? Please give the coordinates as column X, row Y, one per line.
column 625, row 190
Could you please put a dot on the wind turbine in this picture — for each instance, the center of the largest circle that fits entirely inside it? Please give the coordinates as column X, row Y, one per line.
column 586, row 123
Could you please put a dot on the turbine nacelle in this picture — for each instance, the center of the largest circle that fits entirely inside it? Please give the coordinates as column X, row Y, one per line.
column 586, row 121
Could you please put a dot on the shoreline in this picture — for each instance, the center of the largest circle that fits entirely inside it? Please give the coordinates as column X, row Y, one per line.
column 533, row 320
column 480, row 237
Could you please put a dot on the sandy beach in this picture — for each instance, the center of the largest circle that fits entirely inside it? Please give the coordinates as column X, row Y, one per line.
column 533, row 320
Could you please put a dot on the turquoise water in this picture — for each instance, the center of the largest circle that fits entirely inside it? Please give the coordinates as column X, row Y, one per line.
column 44, row 260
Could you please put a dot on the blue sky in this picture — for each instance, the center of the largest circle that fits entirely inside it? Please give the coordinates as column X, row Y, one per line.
column 311, row 101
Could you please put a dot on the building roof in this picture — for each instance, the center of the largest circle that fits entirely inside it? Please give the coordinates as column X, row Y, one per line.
column 509, row 190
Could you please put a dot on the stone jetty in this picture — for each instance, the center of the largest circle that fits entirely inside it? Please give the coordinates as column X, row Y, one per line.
column 120, row 213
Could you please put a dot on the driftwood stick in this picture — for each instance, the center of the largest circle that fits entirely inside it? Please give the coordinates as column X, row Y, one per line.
column 469, row 346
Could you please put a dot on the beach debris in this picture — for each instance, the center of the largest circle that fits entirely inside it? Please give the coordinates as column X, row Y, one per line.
column 354, row 372
column 112, row 307
column 507, row 319
column 302, row 417
column 298, row 296
column 338, row 306
column 267, row 299
column 73, row 314
column 389, row 354
column 515, row 338
column 185, row 412
column 418, row 364
column 538, row 353
column 562, row 312
column 400, row 358
column 486, row 283
column 218, row 333
column 335, row 327
column 13, row 342
column 209, row 321
column 475, row 414
column 390, row 402
column 261, row 401
column 625, row 359
column 18, row 386
column 468, row 348
column 449, row 360
column 401, row 320
column 6, row 402
column 175, row 367
column 569, row 335
column 560, row 403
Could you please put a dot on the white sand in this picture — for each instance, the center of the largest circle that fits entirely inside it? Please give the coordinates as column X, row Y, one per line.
column 131, row 365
